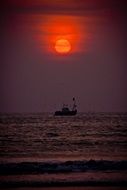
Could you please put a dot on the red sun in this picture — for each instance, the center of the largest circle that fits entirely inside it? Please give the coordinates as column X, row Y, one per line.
column 62, row 46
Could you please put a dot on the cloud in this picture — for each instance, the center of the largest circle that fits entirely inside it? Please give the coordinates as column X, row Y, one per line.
column 63, row 6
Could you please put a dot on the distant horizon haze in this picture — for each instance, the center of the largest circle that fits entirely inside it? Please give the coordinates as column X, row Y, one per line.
column 34, row 77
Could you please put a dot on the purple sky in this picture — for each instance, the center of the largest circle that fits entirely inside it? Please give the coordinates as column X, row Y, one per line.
column 34, row 78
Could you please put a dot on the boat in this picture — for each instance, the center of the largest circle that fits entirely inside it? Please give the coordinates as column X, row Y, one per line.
column 66, row 111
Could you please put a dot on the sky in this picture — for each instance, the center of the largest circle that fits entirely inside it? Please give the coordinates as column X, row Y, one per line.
column 34, row 77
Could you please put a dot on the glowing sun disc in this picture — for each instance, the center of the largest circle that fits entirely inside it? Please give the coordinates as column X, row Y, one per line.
column 62, row 46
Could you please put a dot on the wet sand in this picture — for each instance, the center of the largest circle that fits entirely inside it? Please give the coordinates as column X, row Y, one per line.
column 68, row 188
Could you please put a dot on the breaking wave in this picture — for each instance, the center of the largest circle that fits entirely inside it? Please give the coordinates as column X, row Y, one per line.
column 61, row 167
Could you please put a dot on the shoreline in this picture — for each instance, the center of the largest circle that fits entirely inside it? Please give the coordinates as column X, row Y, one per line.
column 69, row 188
column 39, row 184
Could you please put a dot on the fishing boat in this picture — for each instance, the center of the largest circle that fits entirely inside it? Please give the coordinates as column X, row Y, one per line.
column 66, row 111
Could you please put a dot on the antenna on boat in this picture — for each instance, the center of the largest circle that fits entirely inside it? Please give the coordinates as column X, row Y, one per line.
column 74, row 104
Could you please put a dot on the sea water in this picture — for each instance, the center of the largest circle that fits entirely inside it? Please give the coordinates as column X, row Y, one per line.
column 47, row 150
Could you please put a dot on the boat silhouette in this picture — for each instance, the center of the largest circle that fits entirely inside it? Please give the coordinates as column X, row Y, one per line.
column 66, row 111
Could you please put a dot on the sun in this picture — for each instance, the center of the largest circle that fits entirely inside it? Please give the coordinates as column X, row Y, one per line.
column 62, row 46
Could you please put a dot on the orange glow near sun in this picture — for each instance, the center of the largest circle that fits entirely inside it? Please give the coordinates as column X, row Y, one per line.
column 62, row 46
column 62, row 34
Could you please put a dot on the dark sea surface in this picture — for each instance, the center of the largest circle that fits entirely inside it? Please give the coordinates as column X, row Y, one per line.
column 88, row 149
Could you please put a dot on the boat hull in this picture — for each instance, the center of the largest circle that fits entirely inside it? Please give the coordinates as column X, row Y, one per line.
column 69, row 113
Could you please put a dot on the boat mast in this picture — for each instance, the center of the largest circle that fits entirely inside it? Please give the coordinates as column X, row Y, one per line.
column 74, row 105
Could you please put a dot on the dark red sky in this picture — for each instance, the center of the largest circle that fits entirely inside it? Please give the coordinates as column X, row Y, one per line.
column 34, row 78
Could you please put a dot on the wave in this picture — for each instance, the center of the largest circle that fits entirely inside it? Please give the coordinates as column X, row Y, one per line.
column 61, row 167
column 63, row 184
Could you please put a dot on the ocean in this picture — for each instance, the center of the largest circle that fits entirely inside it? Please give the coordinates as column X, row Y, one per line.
column 43, row 150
